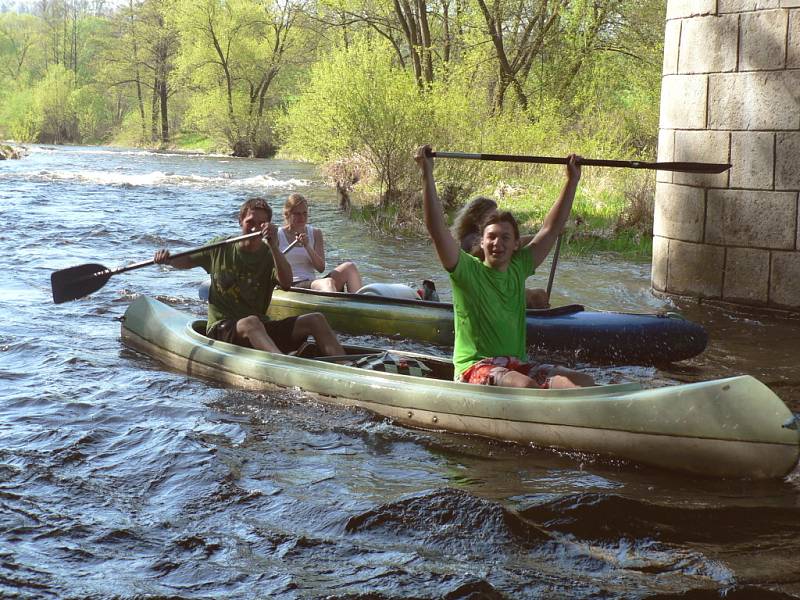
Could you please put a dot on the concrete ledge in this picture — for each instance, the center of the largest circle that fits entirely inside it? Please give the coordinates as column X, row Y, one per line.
column 679, row 212
column 672, row 41
column 753, row 159
column 762, row 40
column 680, row 9
column 746, row 275
column 766, row 100
column 683, row 101
column 695, row 269
column 708, row 44
column 756, row 219
column 784, row 289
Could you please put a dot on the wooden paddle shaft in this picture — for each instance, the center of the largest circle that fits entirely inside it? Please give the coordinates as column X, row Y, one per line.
column 688, row 167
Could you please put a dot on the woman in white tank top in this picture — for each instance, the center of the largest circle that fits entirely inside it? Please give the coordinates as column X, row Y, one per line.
column 307, row 258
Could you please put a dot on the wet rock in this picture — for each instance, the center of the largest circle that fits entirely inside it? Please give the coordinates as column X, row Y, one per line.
column 9, row 152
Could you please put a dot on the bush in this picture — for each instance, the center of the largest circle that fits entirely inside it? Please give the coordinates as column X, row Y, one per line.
column 20, row 117
column 91, row 110
column 358, row 102
column 57, row 122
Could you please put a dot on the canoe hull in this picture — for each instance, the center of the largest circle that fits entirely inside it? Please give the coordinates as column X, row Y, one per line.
column 586, row 335
column 727, row 428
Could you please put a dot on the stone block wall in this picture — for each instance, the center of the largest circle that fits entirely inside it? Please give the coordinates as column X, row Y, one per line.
column 730, row 93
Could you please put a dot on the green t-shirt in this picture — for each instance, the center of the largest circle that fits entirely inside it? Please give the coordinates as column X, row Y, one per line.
column 489, row 307
column 241, row 282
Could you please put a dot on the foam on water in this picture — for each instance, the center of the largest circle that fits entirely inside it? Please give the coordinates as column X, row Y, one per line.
column 156, row 179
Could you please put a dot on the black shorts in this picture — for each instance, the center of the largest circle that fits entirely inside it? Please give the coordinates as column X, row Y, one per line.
column 280, row 331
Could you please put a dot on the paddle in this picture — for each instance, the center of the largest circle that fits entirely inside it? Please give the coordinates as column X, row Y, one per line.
column 553, row 267
column 686, row 167
column 77, row 282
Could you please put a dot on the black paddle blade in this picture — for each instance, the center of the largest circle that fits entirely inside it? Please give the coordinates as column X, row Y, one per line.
column 77, row 282
column 692, row 167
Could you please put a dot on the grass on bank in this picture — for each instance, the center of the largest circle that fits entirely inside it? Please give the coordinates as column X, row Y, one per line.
column 195, row 142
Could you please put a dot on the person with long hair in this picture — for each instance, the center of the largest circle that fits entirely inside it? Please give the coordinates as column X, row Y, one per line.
column 307, row 257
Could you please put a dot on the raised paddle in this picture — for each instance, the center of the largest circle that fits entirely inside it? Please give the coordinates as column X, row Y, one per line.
column 685, row 167
column 77, row 282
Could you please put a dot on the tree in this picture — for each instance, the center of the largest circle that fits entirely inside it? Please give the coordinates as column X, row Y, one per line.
column 518, row 32
column 358, row 103
column 20, row 47
column 238, row 48
column 141, row 55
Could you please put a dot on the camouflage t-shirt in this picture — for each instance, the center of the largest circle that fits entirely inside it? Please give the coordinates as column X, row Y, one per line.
column 241, row 282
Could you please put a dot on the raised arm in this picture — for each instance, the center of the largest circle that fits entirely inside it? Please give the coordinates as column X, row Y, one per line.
column 316, row 250
column 282, row 267
column 556, row 219
column 446, row 246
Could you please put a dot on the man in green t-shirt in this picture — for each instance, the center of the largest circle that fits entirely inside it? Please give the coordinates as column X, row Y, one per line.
column 489, row 295
column 243, row 275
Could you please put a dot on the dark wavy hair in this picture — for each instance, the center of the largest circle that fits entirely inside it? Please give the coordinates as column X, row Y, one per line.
column 256, row 203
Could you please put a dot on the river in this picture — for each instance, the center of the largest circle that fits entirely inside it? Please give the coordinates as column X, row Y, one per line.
column 121, row 479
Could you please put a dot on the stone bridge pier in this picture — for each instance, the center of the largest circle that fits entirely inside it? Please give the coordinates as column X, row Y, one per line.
column 730, row 93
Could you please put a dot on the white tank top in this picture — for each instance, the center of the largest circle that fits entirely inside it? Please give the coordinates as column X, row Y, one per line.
column 297, row 257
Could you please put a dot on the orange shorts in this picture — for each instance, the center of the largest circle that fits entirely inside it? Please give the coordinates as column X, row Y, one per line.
column 490, row 371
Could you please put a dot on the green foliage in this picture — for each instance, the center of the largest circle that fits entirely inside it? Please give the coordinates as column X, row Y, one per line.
column 52, row 106
column 359, row 102
column 94, row 119
column 233, row 53
column 129, row 131
column 19, row 116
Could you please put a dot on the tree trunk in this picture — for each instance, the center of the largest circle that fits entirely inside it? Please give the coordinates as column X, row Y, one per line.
column 154, row 112
column 164, row 118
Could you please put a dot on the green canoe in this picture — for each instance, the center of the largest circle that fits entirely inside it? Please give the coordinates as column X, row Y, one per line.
column 597, row 336
column 733, row 427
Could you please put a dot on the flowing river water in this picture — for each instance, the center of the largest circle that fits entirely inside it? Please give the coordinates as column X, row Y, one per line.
column 122, row 479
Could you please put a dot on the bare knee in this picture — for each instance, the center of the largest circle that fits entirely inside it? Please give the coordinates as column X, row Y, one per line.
column 247, row 324
column 310, row 323
column 567, row 378
column 348, row 267
column 536, row 298
column 326, row 284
